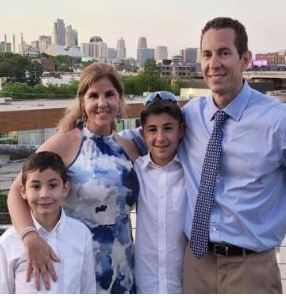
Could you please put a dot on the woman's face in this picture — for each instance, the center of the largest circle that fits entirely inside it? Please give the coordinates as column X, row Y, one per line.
column 101, row 103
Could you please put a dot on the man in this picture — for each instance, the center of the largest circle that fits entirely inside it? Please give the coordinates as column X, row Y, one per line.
column 235, row 168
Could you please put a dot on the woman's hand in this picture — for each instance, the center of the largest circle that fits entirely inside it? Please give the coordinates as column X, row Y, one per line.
column 40, row 260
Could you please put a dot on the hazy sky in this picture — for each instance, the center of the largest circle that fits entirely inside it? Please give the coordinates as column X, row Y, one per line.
column 175, row 23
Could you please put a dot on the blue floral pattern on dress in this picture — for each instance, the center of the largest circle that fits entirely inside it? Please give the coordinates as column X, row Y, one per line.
column 104, row 188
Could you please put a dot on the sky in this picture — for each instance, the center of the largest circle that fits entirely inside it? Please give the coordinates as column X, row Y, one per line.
column 174, row 23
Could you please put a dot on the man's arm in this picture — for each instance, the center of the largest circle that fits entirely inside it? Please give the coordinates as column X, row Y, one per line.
column 135, row 135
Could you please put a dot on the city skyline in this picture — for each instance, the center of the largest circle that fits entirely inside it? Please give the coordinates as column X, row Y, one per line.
column 175, row 24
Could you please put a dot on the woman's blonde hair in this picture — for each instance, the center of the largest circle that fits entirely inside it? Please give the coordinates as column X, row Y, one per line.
column 91, row 74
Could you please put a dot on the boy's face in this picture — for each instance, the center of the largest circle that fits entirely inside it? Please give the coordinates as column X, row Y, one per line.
column 44, row 192
column 162, row 134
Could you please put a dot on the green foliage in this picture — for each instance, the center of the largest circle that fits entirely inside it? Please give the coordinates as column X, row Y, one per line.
column 148, row 80
column 18, row 90
column 67, row 63
column 3, row 203
column 17, row 68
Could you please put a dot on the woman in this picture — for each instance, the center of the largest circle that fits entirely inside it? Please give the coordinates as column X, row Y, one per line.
column 104, row 184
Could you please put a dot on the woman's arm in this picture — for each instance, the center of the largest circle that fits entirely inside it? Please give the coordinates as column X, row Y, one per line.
column 128, row 146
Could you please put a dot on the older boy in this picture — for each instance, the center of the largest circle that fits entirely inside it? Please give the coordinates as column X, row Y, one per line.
column 44, row 186
column 160, row 240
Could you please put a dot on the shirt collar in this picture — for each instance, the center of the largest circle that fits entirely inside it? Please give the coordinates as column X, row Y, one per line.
column 148, row 161
column 58, row 228
column 236, row 107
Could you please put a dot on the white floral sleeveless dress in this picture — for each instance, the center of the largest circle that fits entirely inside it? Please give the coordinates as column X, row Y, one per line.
column 104, row 188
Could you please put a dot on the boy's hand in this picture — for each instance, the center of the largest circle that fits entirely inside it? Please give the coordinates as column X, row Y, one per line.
column 40, row 260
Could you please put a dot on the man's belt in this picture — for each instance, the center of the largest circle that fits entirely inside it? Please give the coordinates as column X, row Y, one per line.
column 219, row 249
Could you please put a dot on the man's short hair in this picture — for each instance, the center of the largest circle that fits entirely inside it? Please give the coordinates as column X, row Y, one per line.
column 41, row 161
column 240, row 39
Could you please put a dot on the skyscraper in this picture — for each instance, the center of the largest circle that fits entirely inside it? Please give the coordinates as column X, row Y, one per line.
column 142, row 43
column 161, row 53
column 71, row 37
column 59, row 32
column 189, row 55
column 121, row 50
column 44, row 42
column 98, row 48
column 14, row 44
column 144, row 54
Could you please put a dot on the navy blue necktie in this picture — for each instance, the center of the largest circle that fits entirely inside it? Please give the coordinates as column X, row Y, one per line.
column 205, row 200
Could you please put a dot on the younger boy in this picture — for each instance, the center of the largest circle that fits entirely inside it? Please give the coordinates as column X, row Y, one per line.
column 160, row 241
column 44, row 186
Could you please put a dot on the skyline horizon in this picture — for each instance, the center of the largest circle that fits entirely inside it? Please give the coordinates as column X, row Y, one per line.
column 175, row 24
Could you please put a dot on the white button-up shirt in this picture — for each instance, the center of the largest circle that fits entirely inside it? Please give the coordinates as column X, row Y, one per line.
column 160, row 240
column 71, row 241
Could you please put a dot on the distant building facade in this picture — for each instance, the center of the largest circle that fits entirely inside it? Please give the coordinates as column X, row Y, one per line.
column 121, row 49
column 71, row 37
column 161, row 53
column 272, row 58
column 59, row 32
column 189, row 55
column 142, row 44
column 44, row 42
column 144, row 54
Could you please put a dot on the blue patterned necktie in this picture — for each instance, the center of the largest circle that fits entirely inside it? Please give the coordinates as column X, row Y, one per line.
column 205, row 200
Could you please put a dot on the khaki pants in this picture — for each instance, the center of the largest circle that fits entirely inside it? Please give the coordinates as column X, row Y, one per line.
column 254, row 273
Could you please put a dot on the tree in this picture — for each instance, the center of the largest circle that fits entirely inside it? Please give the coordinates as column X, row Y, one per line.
column 151, row 74
column 17, row 68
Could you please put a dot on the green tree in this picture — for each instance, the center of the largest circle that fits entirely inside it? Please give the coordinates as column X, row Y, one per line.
column 17, row 68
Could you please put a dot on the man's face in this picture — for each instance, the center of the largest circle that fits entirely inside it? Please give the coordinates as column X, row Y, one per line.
column 222, row 67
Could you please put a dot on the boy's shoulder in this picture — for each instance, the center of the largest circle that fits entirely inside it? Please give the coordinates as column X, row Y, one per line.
column 8, row 235
column 11, row 242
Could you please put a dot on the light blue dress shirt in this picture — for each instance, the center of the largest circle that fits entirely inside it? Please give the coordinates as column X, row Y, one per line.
column 250, row 194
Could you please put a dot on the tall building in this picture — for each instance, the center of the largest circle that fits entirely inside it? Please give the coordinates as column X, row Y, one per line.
column 44, row 42
column 121, row 50
column 112, row 55
column 59, row 32
column 22, row 45
column 5, row 46
column 98, row 48
column 161, row 53
column 5, row 42
column 144, row 54
column 142, row 43
column 189, row 55
column 71, row 39
column 85, row 49
column 14, row 44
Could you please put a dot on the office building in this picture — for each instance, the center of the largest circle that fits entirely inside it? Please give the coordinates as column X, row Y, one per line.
column 144, row 54
column 98, row 49
column 112, row 55
column 71, row 39
column 161, row 53
column 59, row 32
column 142, row 44
column 189, row 55
column 121, row 50
column 44, row 42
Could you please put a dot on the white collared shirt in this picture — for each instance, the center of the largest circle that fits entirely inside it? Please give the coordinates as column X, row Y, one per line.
column 160, row 240
column 71, row 241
